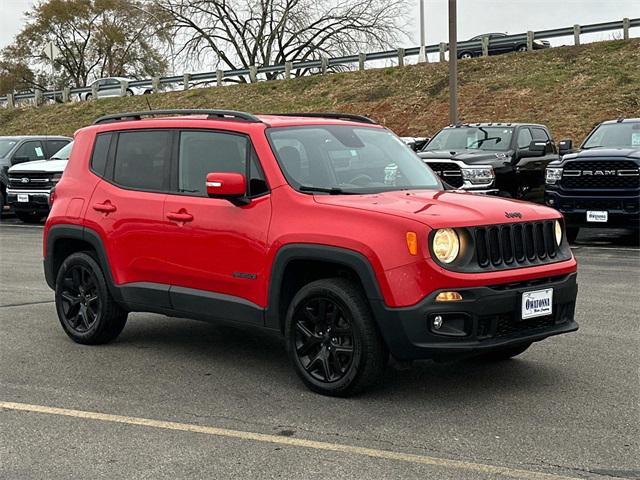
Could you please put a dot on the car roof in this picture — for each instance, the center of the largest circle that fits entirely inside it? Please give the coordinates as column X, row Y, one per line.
column 35, row 137
column 496, row 124
column 621, row 120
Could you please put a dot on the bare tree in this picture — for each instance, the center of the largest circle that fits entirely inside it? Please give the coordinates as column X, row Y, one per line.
column 243, row 33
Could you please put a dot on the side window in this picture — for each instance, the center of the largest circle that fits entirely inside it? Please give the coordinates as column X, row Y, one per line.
column 28, row 152
column 53, row 146
column 100, row 154
column 143, row 159
column 524, row 138
column 539, row 134
column 205, row 152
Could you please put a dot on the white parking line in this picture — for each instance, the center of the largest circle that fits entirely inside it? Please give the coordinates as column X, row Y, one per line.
column 13, row 225
column 288, row 441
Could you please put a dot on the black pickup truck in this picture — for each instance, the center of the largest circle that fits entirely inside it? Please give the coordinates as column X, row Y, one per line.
column 507, row 159
column 598, row 186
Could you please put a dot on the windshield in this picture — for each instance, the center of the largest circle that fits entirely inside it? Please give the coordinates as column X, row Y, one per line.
column 63, row 153
column 6, row 144
column 344, row 159
column 495, row 139
column 615, row 135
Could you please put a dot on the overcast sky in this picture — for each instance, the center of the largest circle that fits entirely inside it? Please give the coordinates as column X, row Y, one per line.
column 474, row 17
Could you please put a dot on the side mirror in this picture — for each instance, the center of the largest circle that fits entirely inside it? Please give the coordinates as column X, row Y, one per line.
column 564, row 147
column 17, row 160
column 537, row 147
column 231, row 186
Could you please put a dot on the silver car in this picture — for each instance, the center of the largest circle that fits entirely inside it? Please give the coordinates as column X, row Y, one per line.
column 110, row 87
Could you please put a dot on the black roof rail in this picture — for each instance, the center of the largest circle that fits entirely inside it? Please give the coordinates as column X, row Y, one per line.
column 336, row 116
column 211, row 115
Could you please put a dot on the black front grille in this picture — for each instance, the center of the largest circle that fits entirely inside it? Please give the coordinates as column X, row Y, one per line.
column 30, row 181
column 601, row 174
column 626, row 204
column 448, row 172
column 515, row 245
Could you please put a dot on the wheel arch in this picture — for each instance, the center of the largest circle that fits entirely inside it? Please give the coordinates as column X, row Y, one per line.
column 63, row 240
column 295, row 265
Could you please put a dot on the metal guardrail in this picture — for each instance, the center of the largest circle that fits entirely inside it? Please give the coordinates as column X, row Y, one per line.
column 323, row 64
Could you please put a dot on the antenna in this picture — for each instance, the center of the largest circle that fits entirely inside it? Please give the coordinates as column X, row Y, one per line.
column 146, row 97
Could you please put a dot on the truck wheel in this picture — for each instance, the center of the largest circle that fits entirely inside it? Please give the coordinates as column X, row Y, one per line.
column 504, row 353
column 29, row 217
column 332, row 339
column 86, row 309
column 572, row 234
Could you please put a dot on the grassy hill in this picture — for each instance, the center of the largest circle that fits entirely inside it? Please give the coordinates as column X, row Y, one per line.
column 568, row 88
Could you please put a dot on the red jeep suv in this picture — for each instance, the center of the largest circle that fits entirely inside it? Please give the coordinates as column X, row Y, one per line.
column 324, row 227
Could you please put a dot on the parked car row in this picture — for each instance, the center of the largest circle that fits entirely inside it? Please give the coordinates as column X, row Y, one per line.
column 595, row 186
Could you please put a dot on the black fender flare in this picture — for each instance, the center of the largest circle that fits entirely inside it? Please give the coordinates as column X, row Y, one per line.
column 351, row 259
column 77, row 232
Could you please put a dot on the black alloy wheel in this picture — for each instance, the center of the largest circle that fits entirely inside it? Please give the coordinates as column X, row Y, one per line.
column 324, row 339
column 332, row 338
column 86, row 310
column 80, row 301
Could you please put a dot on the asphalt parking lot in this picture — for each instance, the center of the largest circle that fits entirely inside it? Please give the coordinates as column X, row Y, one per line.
column 175, row 398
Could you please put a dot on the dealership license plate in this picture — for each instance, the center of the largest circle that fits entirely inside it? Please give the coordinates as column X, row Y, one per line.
column 23, row 198
column 597, row 216
column 538, row 303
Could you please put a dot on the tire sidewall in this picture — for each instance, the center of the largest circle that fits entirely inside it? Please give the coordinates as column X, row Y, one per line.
column 87, row 261
column 355, row 369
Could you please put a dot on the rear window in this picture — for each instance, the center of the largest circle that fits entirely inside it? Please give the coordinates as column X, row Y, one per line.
column 142, row 160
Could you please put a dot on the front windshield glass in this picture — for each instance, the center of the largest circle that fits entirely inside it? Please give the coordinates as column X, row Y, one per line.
column 615, row 135
column 494, row 139
column 63, row 153
column 6, row 144
column 347, row 159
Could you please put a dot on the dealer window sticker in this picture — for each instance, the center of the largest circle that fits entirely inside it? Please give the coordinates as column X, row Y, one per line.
column 39, row 152
column 635, row 139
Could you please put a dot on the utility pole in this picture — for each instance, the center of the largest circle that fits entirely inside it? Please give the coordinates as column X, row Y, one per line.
column 422, row 56
column 453, row 63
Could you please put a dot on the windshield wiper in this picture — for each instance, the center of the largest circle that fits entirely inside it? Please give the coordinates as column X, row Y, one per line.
column 330, row 191
column 592, row 146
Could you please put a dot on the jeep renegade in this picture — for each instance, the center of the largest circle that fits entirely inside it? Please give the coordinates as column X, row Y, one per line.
column 324, row 227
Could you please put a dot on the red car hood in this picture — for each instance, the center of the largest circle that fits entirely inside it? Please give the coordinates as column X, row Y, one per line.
column 444, row 209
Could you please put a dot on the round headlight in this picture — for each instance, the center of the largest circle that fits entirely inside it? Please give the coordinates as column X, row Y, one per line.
column 446, row 245
column 558, row 232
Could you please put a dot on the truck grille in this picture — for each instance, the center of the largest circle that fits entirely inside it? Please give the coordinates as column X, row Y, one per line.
column 601, row 174
column 448, row 172
column 515, row 245
column 31, row 181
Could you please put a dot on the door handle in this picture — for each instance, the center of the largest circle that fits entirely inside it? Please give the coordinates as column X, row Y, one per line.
column 105, row 207
column 181, row 217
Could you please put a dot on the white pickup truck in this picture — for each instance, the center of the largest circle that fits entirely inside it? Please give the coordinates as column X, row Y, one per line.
column 30, row 185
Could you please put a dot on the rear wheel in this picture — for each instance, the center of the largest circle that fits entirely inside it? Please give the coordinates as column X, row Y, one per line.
column 572, row 234
column 332, row 339
column 30, row 217
column 464, row 55
column 504, row 353
column 521, row 48
column 86, row 309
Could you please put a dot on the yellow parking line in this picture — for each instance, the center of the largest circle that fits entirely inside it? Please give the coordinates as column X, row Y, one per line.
column 289, row 441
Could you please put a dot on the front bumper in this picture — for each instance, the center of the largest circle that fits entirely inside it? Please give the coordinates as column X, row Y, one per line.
column 38, row 200
column 487, row 318
column 623, row 211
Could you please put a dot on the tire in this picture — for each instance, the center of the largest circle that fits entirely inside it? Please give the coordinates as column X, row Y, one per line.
column 129, row 93
column 572, row 234
column 503, row 354
column 332, row 339
column 465, row 55
column 521, row 48
column 29, row 217
column 88, row 97
column 2, row 203
column 86, row 310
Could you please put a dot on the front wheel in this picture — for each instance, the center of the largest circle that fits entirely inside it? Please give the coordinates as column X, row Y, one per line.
column 572, row 234
column 332, row 339
column 521, row 48
column 465, row 55
column 86, row 309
